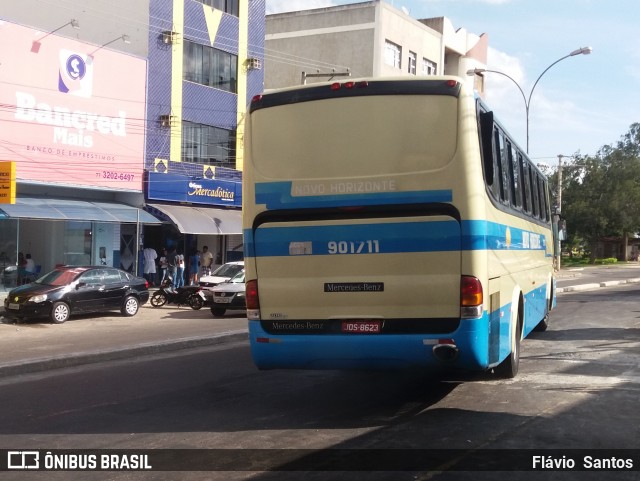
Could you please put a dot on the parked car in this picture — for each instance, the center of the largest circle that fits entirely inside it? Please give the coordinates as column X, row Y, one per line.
column 69, row 290
column 229, row 295
column 10, row 276
column 221, row 274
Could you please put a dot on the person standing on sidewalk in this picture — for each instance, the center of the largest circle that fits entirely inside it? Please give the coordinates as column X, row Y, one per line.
column 171, row 262
column 150, row 255
column 179, row 282
column 206, row 258
column 163, row 264
column 194, row 268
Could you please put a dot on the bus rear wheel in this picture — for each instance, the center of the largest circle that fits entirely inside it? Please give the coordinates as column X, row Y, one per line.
column 508, row 369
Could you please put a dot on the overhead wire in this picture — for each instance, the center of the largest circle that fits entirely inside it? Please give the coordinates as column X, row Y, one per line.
column 145, row 126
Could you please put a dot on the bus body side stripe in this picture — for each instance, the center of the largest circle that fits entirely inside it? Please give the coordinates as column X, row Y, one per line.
column 277, row 195
column 427, row 236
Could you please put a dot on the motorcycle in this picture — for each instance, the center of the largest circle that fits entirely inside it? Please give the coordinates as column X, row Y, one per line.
column 191, row 296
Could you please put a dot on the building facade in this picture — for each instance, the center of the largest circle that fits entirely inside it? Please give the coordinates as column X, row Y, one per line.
column 118, row 116
column 73, row 125
column 368, row 39
column 205, row 64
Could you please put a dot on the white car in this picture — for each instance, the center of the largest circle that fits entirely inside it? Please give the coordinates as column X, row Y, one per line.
column 220, row 275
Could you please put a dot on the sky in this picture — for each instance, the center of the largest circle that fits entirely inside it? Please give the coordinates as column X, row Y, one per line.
column 580, row 104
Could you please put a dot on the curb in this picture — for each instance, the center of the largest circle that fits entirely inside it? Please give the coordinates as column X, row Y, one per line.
column 31, row 366
column 596, row 285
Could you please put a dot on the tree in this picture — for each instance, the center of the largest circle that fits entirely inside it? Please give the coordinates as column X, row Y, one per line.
column 601, row 194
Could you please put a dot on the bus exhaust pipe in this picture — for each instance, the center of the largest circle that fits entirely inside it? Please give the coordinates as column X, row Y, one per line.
column 446, row 352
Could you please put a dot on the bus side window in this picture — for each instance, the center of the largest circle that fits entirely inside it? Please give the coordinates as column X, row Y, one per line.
column 526, row 200
column 503, row 166
column 486, row 131
column 535, row 200
column 516, row 182
column 527, row 188
column 496, row 187
column 544, row 207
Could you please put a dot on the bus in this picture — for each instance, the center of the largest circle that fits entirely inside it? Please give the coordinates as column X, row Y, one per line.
column 391, row 223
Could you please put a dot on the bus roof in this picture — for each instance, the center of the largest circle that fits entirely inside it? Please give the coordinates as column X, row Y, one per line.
column 442, row 85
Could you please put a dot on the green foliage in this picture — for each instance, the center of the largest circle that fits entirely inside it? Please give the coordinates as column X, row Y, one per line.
column 601, row 193
column 607, row 261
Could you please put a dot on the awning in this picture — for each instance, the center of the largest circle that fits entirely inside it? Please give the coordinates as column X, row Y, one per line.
column 72, row 209
column 202, row 220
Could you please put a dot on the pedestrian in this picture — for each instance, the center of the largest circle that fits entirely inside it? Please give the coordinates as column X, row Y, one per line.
column 194, row 267
column 150, row 255
column 163, row 265
column 30, row 265
column 179, row 281
column 22, row 262
column 206, row 258
column 171, row 261
column 28, row 270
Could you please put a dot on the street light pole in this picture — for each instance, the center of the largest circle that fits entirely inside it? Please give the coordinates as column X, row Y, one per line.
column 527, row 101
column 559, row 211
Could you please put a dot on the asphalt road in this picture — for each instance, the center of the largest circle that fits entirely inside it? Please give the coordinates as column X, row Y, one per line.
column 577, row 388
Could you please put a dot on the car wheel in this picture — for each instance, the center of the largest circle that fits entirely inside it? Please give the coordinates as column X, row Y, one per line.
column 218, row 311
column 196, row 302
column 60, row 312
column 130, row 306
column 158, row 299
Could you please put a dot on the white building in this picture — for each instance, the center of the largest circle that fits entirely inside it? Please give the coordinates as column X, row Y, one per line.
column 368, row 39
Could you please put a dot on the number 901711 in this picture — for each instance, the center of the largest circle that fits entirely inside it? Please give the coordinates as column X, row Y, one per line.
column 353, row 247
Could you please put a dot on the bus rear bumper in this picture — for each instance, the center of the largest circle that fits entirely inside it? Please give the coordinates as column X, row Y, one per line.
column 465, row 348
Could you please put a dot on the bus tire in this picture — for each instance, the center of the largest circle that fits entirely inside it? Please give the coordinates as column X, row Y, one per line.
column 543, row 324
column 508, row 369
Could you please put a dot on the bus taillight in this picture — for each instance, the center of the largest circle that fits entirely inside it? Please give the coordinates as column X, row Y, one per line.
column 253, row 304
column 349, row 85
column 471, row 297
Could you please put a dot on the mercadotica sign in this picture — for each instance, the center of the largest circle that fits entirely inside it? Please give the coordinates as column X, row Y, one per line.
column 75, row 112
column 178, row 188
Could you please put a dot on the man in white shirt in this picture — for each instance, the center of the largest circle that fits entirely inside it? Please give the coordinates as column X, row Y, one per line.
column 206, row 258
column 30, row 266
column 150, row 255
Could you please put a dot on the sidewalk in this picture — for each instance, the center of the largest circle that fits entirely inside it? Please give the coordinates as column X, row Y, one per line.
column 38, row 345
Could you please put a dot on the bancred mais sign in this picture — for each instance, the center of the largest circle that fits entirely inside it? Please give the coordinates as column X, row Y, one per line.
column 74, row 112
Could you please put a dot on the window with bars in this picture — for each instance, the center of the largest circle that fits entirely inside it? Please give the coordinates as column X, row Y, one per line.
column 204, row 144
column 413, row 60
column 392, row 54
column 209, row 66
column 429, row 67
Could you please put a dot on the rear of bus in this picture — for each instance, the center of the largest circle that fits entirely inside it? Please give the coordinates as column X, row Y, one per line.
column 354, row 199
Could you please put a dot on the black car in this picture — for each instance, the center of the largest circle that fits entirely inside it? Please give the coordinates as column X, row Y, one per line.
column 229, row 295
column 71, row 290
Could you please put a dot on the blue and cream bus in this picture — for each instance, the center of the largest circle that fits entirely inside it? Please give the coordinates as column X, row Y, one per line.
column 391, row 223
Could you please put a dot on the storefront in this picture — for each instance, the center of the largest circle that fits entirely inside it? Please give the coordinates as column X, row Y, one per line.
column 206, row 212
column 73, row 128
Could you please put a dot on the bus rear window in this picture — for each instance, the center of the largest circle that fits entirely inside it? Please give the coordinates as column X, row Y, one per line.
column 369, row 135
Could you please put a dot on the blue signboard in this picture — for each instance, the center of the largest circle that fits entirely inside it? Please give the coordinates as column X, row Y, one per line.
column 183, row 189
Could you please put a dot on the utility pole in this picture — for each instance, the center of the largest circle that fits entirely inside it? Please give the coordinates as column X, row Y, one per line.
column 559, row 211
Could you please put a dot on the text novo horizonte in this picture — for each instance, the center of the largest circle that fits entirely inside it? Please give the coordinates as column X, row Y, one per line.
column 347, row 187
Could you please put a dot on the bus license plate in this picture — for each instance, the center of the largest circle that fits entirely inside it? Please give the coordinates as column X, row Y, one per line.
column 362, row 327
